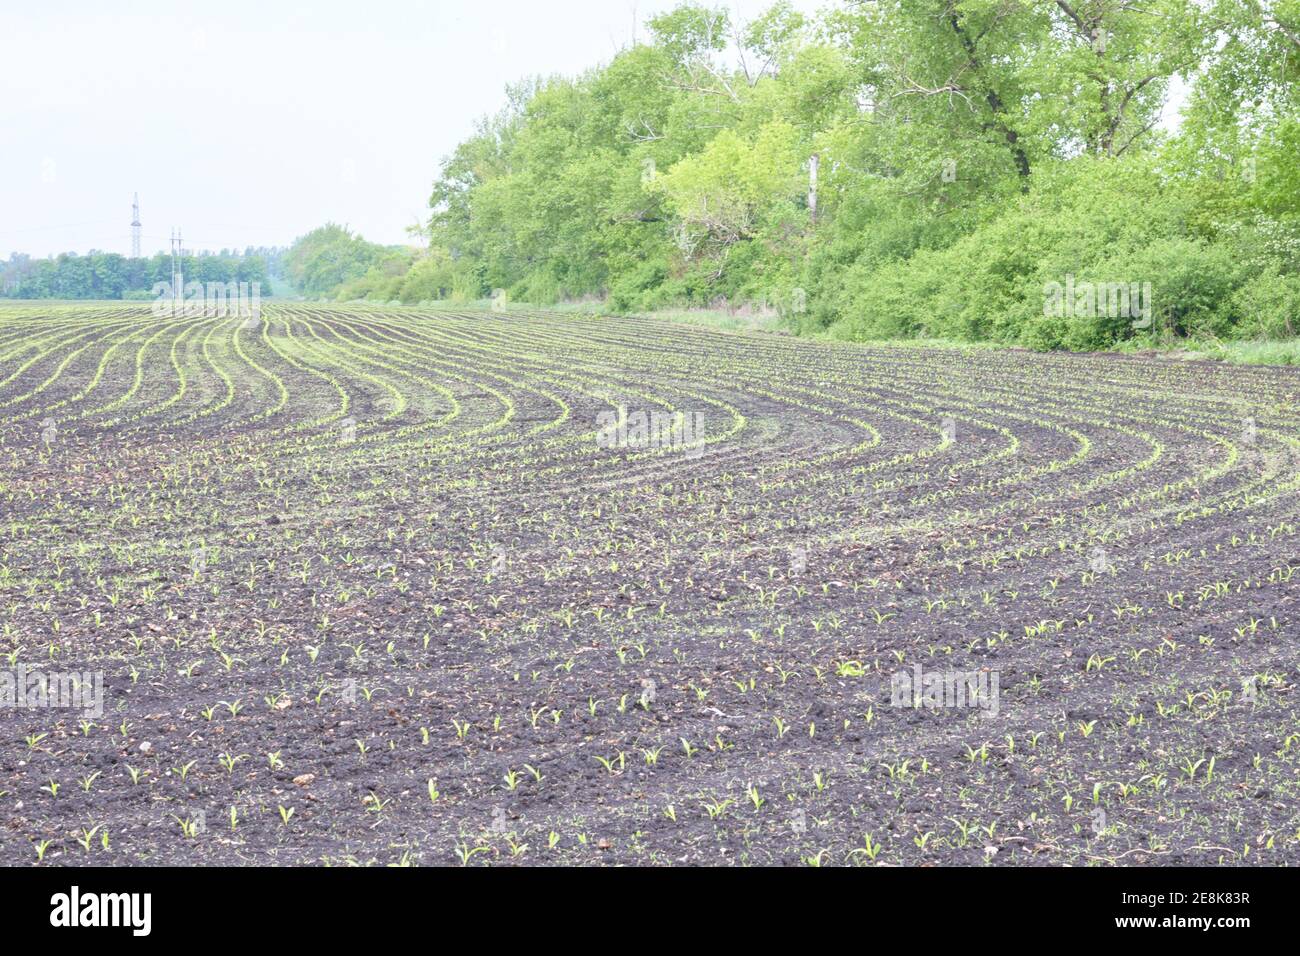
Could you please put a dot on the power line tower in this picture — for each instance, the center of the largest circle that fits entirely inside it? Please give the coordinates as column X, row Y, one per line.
column 135, row 227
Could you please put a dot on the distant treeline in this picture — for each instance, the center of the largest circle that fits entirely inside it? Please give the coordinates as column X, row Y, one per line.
column 332, row 262
column 108, row 275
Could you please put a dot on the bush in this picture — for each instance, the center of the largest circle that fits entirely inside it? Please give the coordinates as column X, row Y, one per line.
column 431, row 278
column 1268, row 306
column 1113, row 223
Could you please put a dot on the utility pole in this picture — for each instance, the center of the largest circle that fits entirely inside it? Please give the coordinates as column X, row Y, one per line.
column 178, row 278
column 135, row 227
column 814, row 165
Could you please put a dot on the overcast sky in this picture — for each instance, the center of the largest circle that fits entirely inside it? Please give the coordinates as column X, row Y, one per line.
column 248, row 123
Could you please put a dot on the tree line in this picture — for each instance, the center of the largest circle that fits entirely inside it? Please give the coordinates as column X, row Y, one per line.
column 108, row 275
column 910, row 168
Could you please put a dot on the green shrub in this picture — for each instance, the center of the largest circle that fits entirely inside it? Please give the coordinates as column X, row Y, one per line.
column 1268, row 306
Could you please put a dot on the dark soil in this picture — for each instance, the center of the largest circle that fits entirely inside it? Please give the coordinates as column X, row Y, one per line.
column 326, row 562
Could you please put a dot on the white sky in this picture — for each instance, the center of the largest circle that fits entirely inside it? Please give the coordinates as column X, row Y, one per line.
column 249, row 123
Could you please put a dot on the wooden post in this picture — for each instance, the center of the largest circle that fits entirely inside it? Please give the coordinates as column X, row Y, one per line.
column 813, row 164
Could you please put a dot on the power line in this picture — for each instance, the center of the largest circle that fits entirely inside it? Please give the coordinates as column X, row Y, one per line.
column 71, row 225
